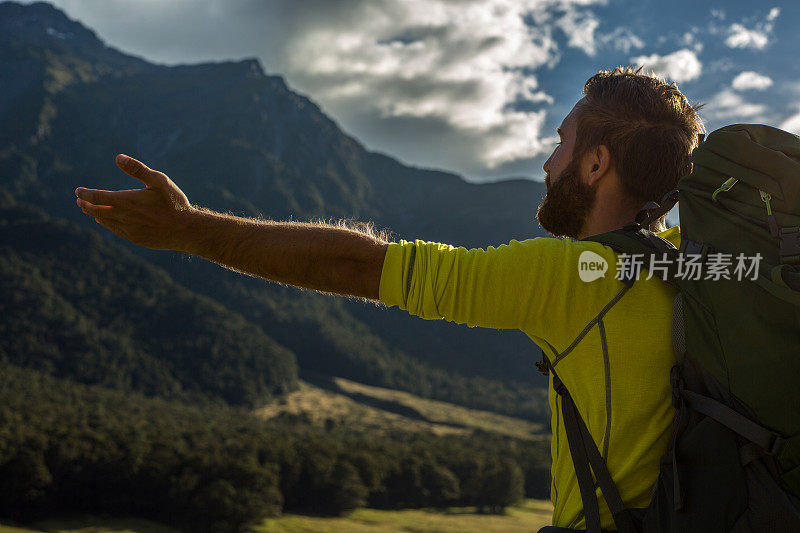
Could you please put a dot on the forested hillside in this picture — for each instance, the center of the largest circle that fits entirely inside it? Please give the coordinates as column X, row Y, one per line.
column 241, row 141
column 79, row 307
column 129, row 378
column 69, row 448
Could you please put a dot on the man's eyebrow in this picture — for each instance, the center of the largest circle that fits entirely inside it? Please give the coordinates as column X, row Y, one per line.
column 560, row 133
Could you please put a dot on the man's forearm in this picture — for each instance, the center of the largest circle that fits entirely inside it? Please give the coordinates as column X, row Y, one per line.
column 315, row 256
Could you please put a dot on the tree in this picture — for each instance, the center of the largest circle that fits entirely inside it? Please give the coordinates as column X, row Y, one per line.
column 345, row 490
column 442, row 484
column 504, row 485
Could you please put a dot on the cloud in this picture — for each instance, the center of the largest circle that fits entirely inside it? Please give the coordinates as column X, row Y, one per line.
column 466, row 65
column 773, row 13
column 622, row 39
column 739, row 36
column 792, row 124
column 682, row 65
column 579, row 27
column 689, row 39
column 751, row 80
column 437, row 83
column 728, row 105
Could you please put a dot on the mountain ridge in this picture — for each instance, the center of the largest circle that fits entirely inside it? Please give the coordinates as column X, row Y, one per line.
column 240, row 141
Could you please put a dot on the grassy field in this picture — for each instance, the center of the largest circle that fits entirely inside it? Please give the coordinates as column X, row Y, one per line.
column 92, row 524
column 527, row 517
column 375, row 409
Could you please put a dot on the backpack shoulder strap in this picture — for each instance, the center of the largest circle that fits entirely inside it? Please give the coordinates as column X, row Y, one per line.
column 633, row 240
column 585, row 455
column 635, row 237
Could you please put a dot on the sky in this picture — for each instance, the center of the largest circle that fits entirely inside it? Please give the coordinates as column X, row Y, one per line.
column 477, row 87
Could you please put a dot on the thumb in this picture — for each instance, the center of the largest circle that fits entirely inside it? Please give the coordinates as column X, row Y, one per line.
column 140, row 171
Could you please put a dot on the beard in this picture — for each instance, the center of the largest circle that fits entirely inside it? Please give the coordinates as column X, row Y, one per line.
column 566, row 204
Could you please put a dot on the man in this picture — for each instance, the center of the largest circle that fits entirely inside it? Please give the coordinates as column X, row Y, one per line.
column 627, row 141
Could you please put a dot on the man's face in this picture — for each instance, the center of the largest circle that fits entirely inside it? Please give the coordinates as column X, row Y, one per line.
column 569, row 199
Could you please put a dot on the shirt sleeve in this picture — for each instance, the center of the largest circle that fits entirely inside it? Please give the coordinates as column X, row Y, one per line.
column 531, row 285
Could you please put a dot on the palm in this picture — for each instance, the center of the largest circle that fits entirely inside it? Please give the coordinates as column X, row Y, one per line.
column 150, row 217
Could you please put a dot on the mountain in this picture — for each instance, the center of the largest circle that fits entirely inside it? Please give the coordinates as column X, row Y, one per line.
column 237, row 140
column 77, row 307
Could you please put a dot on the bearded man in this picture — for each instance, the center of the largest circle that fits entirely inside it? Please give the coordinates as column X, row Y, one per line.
column 626, row 142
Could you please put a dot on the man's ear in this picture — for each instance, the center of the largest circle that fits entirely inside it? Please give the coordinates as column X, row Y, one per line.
column 598, row 163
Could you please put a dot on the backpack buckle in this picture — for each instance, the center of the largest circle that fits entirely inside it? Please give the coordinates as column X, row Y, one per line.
column 775, row 445
column 643, row 216
column 695, row 248
column 543, row 365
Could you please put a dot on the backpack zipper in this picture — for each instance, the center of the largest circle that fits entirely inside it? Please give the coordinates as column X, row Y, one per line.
column 726, row 186
column 773, row 224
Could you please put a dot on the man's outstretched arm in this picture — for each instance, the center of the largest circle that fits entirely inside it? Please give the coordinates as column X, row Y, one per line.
column 315, row 256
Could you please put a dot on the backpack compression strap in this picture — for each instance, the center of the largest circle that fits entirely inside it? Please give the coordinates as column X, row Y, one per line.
column 767, row 441
column 585, row 454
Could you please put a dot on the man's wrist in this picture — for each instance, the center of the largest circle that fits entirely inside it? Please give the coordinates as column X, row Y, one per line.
column 188, row 229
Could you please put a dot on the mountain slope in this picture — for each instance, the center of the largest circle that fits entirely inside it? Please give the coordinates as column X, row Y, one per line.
column 238, row 140
column 78, row 307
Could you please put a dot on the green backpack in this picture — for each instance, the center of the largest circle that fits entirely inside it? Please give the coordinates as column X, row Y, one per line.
column 734, row 461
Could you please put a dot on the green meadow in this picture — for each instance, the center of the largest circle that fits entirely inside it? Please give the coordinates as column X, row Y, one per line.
column 525, row 517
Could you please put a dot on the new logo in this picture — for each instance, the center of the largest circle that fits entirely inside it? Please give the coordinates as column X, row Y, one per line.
column 591, row 266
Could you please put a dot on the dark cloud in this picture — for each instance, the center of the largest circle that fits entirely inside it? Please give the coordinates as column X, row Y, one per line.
column 474, row 86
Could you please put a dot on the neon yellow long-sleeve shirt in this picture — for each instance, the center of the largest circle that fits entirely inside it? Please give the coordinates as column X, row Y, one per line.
column 616, row 367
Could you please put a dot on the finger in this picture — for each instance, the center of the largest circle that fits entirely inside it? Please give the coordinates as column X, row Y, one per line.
column 112, row 226
column 140, row 171
column 100, row 197
column 96, row 211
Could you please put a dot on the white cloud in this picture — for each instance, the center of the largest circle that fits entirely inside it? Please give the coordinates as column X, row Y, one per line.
column 464, row 64
column 728, row 105
column 438, row 83
column 741, row 37
column 622, row 39
column 757, row 37
column 682, row 65
column 579, row 27
column 792, row 124
column 773, row 13
column 690, row 40
column 751, row 80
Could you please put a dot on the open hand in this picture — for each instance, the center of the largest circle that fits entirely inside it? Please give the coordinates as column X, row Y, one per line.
column 155, row 217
